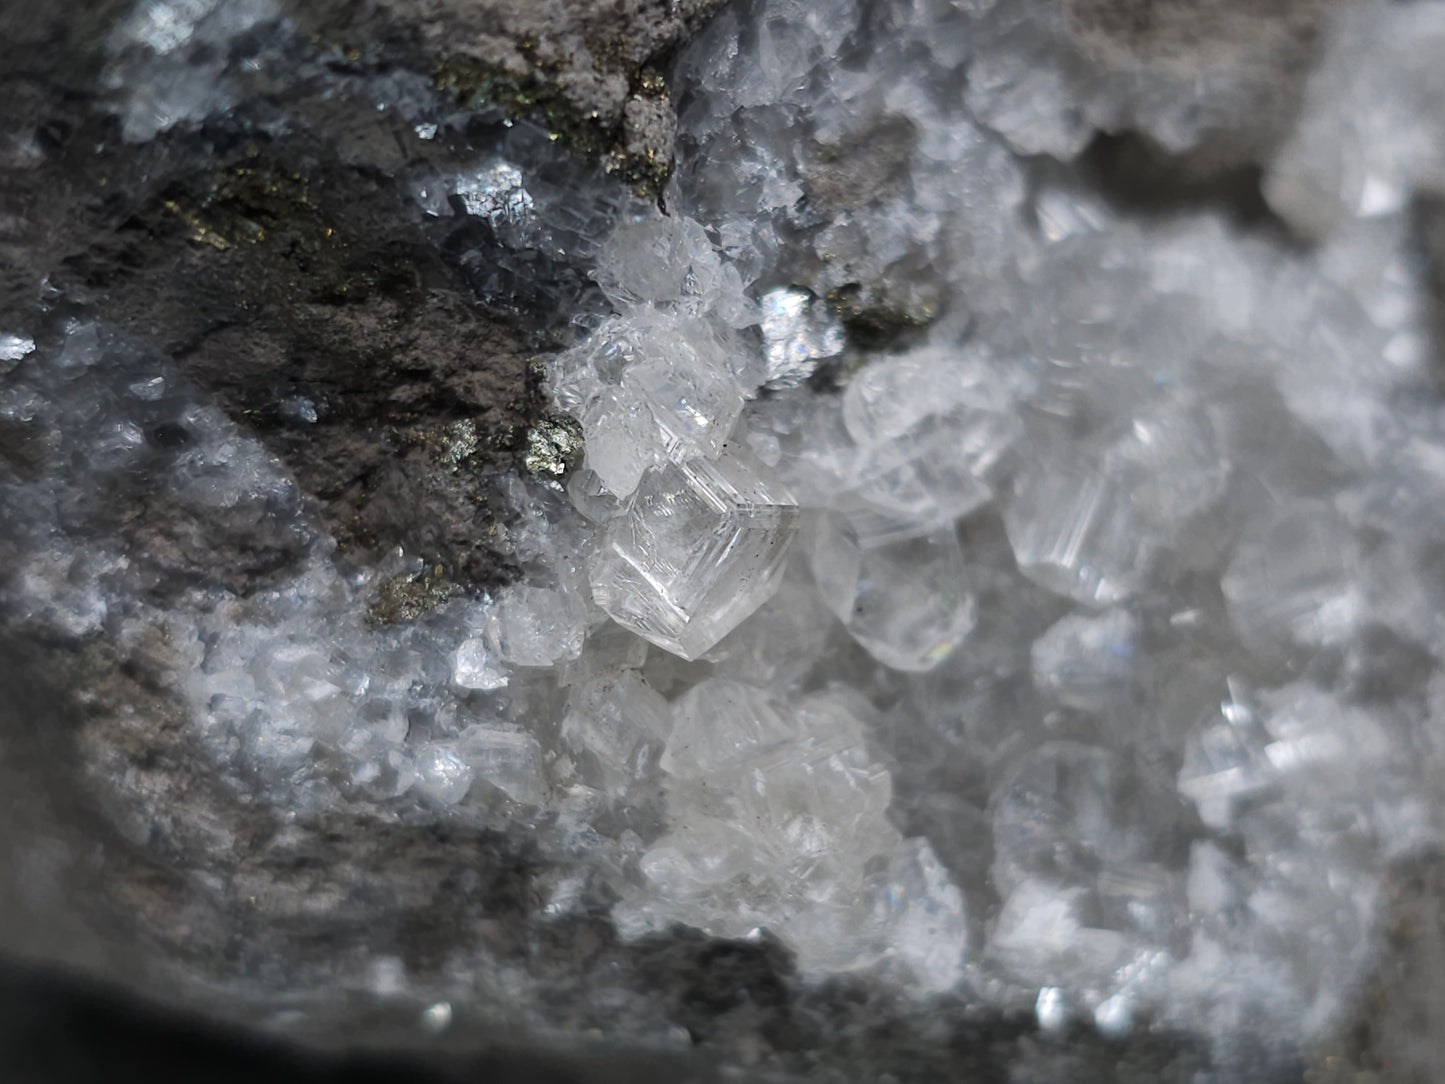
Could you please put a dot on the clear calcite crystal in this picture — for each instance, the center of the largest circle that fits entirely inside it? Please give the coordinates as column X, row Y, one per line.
column 1223, row 768
column 665, row 260
column 506, row 758
column 442, row 774
column 477, row 666
column 662, row 386
column 1074, row 531
column 1223, row 765
column 1312, row 735
column 615, row 726
column 1292, row 578
column 694, row 408
column 779, row 644
column 891, row 397
column 922, row 917
column 775, row 800
column 536, row 626
column 929, row 478
column 1042, row 930
column 699, row 548
column 1370, row 131
column 1082, row 837
column 907, row 602
column 617, row 430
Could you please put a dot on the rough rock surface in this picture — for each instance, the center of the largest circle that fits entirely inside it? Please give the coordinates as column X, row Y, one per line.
column 281, row 262
column 281, row 269
column 593, row 67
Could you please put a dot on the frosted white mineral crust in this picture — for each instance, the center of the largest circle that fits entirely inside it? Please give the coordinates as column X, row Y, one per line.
column 1372, row 130
column 778, row 811
column 14, row 347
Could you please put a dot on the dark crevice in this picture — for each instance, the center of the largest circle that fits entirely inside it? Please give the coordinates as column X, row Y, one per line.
column 1428, row 233
column 1139, row 179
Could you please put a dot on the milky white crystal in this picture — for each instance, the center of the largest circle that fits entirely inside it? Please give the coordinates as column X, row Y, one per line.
column 1086, row 662
column 778, row 802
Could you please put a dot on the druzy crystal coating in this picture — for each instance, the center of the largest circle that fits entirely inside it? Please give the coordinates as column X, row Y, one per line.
column 973, row 580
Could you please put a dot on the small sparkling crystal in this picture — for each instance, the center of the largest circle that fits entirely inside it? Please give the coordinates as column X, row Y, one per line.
column 798, row 332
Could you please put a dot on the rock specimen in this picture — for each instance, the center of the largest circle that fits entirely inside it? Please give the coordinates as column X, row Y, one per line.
column 878, row 575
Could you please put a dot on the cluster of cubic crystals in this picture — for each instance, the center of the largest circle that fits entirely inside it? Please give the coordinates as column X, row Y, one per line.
column 696, row 527
column 1069, row 629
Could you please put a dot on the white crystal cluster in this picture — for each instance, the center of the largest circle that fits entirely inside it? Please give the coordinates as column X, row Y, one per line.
column 1064, row 649
column 697, row 527
column 1371, row 135
column 776, row 812
column 1112, row 535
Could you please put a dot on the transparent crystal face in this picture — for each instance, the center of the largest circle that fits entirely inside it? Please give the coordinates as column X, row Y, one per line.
column 615, row 726
column 1173, row 465
column 476, row 666
column 536, row 626
column 617, row 428
column 906, row 602
column 777, row 806
column 700, row 547
column 1291, row 578
column 1087, row 662
column 694, row 408
column 926, row 477
column 506, row 758
column 1075, row 532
